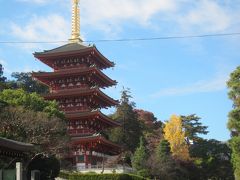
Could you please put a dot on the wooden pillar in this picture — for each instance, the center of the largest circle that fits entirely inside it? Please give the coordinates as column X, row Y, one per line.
column 86, row 159
column 18, row 171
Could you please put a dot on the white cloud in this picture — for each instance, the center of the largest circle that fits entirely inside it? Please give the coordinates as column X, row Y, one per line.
column 218, row 83
column 207, row 16
column 108, row 14
column 49, row 28
column 35, row 1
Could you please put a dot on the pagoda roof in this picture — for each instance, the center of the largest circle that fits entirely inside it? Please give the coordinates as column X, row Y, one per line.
column 102, row 145
column 70, row 47
column 92, row 114
column 44, row 77
column 72, row 50
column 77, row 92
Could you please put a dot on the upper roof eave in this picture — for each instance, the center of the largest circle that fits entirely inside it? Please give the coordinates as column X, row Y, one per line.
column 72, row 49
column 77, row 115
column 69, row 48
column 15, row 145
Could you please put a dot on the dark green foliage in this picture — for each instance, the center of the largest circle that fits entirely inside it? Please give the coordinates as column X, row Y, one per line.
column 140, row 157
column 25, row 81
column 30, row 101
column 168, row 169
column 234, row 87
column 213, row 159
column 77, row 176
column 3, row 104
column 193, row 127
column 234, row 119
column 163, row 149
column 49, row 167
column 129, row 133
column 235, row 146
column 29, row 118
column 38, row 128
column 2, row 78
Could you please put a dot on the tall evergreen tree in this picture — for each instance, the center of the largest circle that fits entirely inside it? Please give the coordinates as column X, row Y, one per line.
column 193, row 127
column 234, row 119
column 163, row 150
column 129, row 133
column 140, row 156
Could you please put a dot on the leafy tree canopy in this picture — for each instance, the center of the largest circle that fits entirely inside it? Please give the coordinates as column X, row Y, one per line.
column 163, row 150
column 140, row 157
column 174, row 134
column 2, row 78
column 129, row 133
column 27, row 83
column 29, row 126
column 213, row 159
column 31, row 101
column 193, row 127
column 234, row 119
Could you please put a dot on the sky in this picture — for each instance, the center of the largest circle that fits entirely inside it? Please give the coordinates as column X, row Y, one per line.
column 174, row 76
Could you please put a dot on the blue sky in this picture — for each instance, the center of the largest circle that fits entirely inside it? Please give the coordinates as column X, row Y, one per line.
column 177, row 76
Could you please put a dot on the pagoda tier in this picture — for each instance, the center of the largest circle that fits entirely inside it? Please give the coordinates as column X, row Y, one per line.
column 74, row 55
column 81, row 99
column 95, row 143
column 74, row 78
column 88, row 122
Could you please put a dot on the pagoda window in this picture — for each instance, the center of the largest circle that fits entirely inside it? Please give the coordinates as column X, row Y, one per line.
column 70, row 85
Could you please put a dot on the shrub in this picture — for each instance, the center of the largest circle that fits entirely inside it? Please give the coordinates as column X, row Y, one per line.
column 78, row 176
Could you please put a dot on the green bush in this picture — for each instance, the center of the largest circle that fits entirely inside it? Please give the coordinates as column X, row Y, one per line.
column 78, row 176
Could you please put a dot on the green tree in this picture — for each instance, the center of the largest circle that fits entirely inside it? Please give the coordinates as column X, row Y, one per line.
column 27, row 83
column 140, row 157
column 162, row 165
column 27, row 117
column 2, row 79
column 234, row 119
column 213, row 159
column 129, row 133
column 31, row 101
column 23, row 125
column 192, row 127
column 163, row 150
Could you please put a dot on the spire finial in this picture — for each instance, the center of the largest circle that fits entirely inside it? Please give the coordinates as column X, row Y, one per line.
column 75, row 37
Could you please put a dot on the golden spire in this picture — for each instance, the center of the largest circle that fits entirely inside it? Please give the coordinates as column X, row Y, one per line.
column 75, row 37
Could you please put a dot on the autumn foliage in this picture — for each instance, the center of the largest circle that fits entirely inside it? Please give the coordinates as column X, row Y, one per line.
column 174, row 134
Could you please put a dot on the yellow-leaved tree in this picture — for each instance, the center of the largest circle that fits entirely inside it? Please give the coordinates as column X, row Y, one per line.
column 174, row 134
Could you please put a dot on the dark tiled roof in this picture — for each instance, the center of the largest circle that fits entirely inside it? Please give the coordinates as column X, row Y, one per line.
column 65, row 48
column 15, row 145
column 103, row 117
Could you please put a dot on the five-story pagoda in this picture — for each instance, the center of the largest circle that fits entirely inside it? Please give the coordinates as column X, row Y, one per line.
column 75, row 84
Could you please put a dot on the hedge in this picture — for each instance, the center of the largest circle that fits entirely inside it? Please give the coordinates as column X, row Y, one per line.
column 78, row 176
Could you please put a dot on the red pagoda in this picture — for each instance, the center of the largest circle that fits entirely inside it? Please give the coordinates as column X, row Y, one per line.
column 75, row 84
